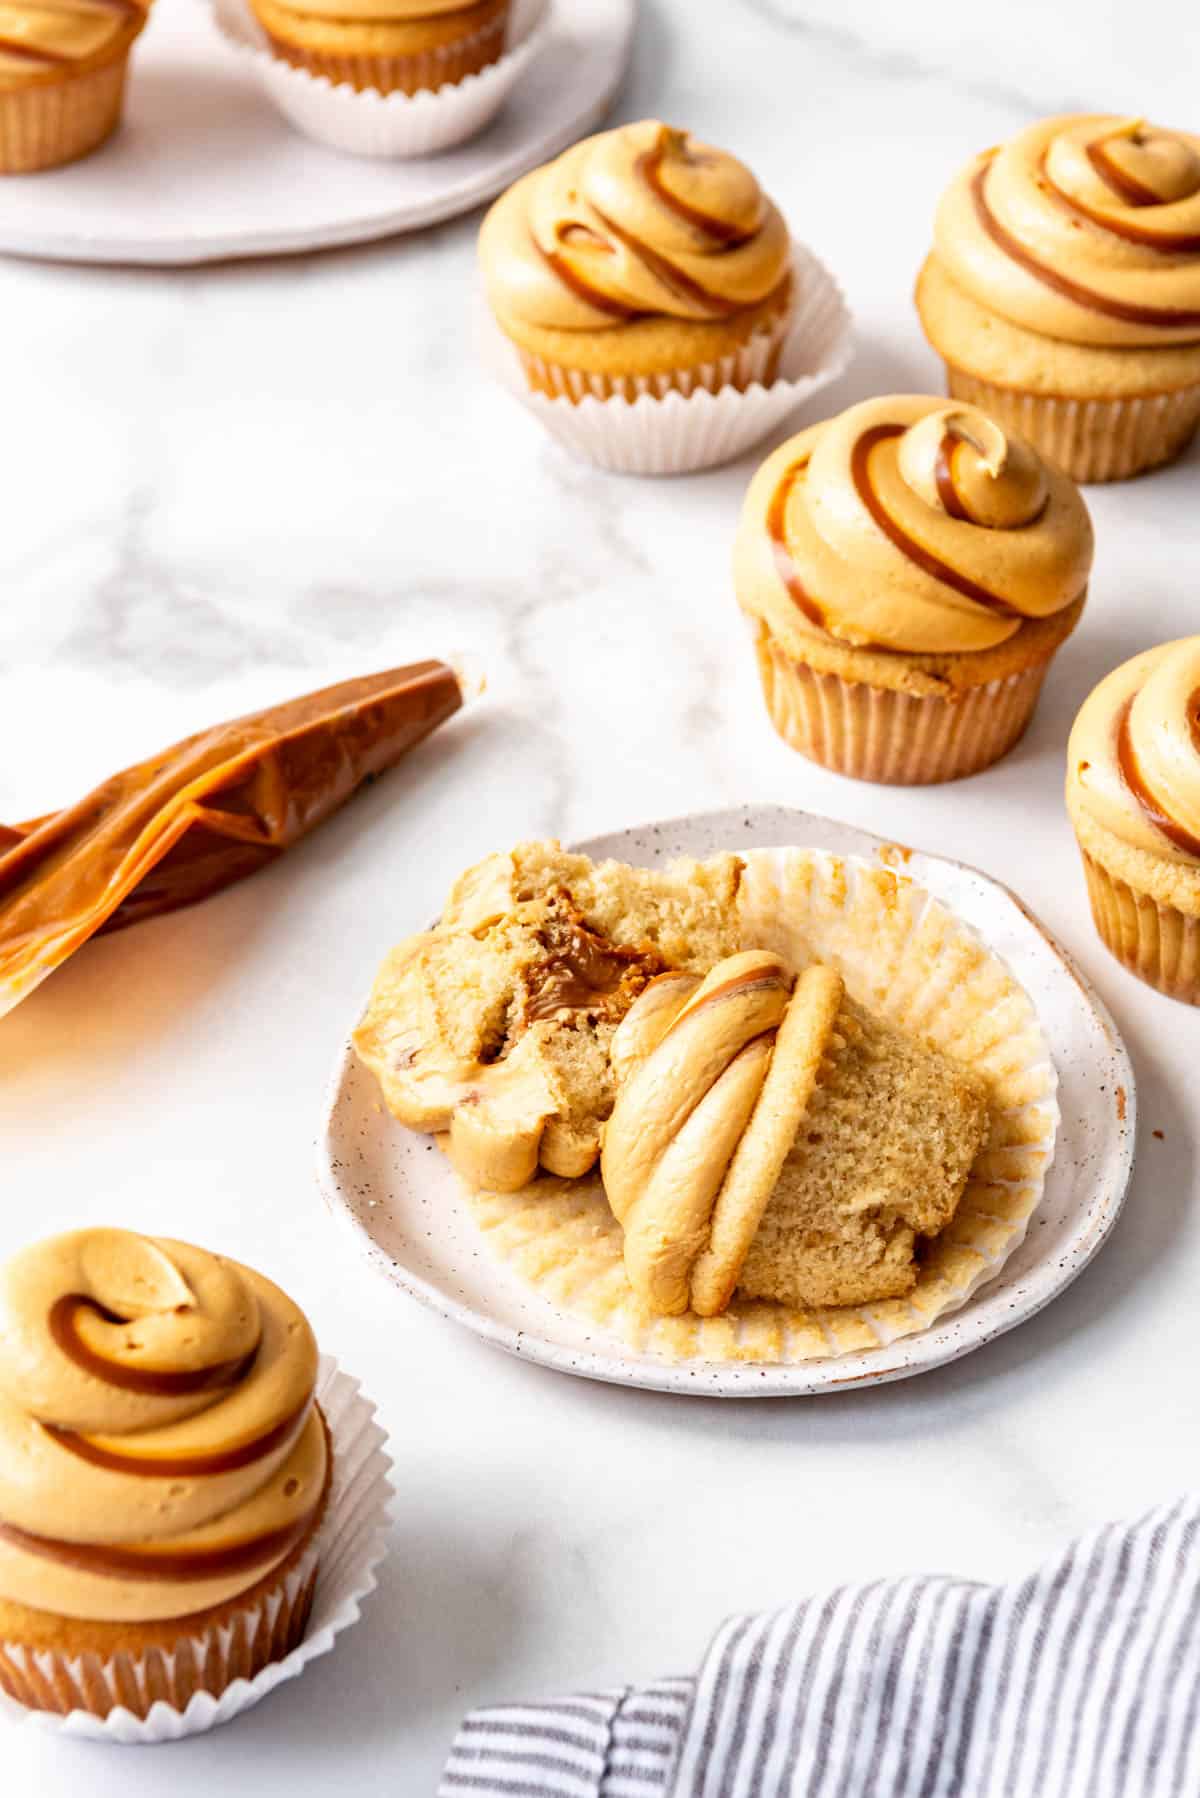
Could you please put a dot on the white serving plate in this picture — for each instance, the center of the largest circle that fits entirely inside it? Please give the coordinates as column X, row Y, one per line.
column 399, row 1196
column 204, row 168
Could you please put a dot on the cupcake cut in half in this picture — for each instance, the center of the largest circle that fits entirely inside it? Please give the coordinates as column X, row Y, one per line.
column 1063, row 290
column 640, row 261
column 909, row 569
column 772, row 1136
column 62, row 77
column 164, row 1469
column 494, row 1027
column 391, row 46
column 1133, row 794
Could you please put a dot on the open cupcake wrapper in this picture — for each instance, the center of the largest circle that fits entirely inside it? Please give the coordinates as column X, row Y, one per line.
column 346, row 1551
column 908, row 958
column 386, row 126
column 679, row 434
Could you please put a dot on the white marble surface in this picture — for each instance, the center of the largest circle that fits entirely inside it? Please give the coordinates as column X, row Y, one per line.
column 220, row 488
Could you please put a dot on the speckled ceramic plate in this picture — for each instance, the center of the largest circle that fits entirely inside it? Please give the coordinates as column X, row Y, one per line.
column 394, row 1189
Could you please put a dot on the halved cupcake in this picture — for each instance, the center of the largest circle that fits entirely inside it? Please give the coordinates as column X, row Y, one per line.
column 771, row 1136
column 494, row 1027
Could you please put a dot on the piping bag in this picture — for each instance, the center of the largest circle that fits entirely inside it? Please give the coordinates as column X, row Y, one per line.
column 202, row 814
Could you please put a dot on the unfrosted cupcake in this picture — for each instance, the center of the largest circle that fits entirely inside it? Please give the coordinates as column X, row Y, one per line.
column 639, row 261
column 62, row 77
column 1133, row 793
column 1063, row 291
column 392, row 46
column 164, row 1469
column 908, row 570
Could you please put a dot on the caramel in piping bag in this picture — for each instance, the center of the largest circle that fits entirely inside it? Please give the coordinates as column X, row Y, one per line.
column 202, row 814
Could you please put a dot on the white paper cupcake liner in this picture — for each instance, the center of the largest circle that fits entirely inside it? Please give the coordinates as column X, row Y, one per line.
column 1091, row 440
column 346, row 1551
column 391, row 126
column 908, row 958
column 672, row 433
column 894, row 738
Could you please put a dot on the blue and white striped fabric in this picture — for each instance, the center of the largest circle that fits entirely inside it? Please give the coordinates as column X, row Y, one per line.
column 1082, row 1681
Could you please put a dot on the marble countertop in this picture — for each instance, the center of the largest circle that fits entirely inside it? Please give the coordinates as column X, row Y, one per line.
column 227, row 486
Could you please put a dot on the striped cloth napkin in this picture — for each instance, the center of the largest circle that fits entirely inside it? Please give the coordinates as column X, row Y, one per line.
column 1082, row 1681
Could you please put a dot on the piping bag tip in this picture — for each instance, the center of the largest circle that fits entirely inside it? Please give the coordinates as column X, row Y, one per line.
column 470, row 674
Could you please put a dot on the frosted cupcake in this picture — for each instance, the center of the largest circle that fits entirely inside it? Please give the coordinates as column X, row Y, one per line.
column 1133, row 793
column 62, row 77
column 164, row 1469
column 1063, row 291
column 639, row 261
column 391, row 46
column 908, row 570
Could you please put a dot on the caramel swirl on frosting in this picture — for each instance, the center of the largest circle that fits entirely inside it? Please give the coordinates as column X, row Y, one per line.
column 1083, row 228
column 643, row 221
column 1133, row 761
column 40, row 36
column 911, row 524
column 160, row 1450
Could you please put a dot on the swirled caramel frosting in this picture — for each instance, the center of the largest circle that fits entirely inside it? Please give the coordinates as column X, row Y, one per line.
column 1133, row 760
column 1084, row 228
column 46, row 35
column 160, row 1449
column 641, row 222
column 910, row 524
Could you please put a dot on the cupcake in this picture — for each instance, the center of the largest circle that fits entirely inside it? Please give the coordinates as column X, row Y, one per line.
column 1063, row 291
column 1133, row 794
column 62, row 79
column 392, row 46
column 640, row 261
column 164, row 1469
column 771, row 1136
column 908, row 570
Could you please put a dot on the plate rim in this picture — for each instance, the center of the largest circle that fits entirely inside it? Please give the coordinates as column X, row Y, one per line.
column 774, row 1379
column 192, row 252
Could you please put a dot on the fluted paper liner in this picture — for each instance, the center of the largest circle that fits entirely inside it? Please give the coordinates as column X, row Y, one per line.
column 1157, row 942
column 906, row 956
column 897, row 739
column 52, row 123
column 683, row 422
column 332, row 1577
column 388, row 126
column 1091, row 440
